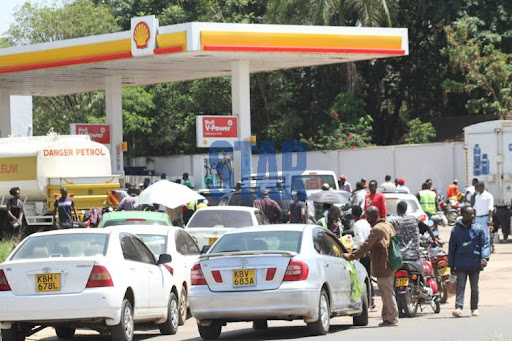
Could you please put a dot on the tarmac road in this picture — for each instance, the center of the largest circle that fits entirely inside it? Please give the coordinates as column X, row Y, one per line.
column 494, row 322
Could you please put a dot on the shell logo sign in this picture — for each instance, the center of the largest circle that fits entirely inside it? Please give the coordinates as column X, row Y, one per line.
column 143, row 32
column 141, row 35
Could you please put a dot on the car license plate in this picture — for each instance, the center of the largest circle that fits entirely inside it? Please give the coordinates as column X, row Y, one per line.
column 212, row 240
column 244, row 278
column 402, row 282
column 47, row 282
column 444, row 271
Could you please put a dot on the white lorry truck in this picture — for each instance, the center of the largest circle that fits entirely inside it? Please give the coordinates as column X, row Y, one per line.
column 41, row 165
column 488, row 148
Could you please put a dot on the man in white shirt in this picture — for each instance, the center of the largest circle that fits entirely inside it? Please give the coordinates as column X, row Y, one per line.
column 359, row 195
column 387, row 184
column 362, row 230
column 484, row 208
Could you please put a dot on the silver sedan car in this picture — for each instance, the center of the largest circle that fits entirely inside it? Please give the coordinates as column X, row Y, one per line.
column 277, row 272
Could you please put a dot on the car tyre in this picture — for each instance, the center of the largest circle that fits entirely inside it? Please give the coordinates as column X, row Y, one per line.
column 362, row 320
column 183, row 306
column 65, row 333
column 211, row 332
column 322, row 325
column 259, row 324
column 170, row 327
column 124, row 330
column 13, row 334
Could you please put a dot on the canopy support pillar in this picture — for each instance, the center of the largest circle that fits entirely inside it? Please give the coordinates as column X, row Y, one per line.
column 241, row 107
column 114, row 110
column 5, row 113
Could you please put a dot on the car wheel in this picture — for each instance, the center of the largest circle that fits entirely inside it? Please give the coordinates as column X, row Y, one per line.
column 362, row 320
column 183, row 306
column 13, row 334
column 322, row 325
column 170, row 327
column 65, row 333
column 211, row 332
column 259, row 324
column 124, row 330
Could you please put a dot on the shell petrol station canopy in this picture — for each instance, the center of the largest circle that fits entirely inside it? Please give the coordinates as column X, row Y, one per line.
column 149, row 54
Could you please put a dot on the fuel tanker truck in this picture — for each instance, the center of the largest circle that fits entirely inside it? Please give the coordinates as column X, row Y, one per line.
column 41, row 165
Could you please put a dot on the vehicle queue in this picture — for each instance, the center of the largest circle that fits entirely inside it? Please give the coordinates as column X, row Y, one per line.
column 287, row 271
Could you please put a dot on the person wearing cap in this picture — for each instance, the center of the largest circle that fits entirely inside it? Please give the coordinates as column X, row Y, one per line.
column 401, row 185
column 64, row 204
column 299, row 209
column 268, row 206
column 453, row 190
column 344, row 184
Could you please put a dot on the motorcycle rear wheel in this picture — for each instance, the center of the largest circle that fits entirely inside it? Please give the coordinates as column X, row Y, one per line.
column 436, row 306
column 444, row 291
column 408, row 304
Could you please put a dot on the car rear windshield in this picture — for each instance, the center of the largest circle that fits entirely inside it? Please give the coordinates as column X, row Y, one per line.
column 133, row 222
column 156, row 243
column 310, row 182
column 246, row 198
column 63, row 245
column 220, row 218
column 259, row 241
column 391, row 203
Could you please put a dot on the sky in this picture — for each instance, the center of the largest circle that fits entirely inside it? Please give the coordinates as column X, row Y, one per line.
column 7, row 8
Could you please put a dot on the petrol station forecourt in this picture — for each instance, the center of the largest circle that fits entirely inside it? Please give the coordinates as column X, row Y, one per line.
column 150, row 54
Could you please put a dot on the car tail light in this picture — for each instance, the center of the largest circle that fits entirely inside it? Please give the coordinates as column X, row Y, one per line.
column 296, row 271
column 401, row 273
column 216, row 276
column 270, row 274
column 135, row 219
column 196, row 275
column 4, row 284
column 99, row 277
column 169, row 268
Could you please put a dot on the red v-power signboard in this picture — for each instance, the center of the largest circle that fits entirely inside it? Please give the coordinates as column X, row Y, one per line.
column 216, row 128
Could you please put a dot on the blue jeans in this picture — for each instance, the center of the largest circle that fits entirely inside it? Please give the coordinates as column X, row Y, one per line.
column 462, row 276
column 483, row 221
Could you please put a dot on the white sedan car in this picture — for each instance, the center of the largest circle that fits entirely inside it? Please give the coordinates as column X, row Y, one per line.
column 209, row 223
column 176, row 242
column 277, row 272
column 100, row 279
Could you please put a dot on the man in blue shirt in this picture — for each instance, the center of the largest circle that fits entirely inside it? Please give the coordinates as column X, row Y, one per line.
column 468, row 253
column 64, row 204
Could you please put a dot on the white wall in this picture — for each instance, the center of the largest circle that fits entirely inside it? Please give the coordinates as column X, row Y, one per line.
column 442, row 162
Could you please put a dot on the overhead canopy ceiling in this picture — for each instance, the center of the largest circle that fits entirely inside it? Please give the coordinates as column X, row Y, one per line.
column 186, row 52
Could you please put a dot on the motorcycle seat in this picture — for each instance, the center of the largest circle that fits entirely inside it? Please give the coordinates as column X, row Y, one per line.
column 413, row 267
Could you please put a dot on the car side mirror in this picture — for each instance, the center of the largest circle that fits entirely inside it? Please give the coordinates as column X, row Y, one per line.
column 205, row 249
column 164, row 258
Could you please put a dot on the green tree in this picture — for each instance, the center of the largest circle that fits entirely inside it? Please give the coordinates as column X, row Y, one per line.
column 486, row 69
column 419, row 132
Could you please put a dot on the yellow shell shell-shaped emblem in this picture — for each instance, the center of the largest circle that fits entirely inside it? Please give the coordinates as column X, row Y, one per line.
column 141, row 35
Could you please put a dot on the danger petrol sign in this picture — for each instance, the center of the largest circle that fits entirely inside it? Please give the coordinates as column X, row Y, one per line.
column 216, row 128
column 98, row 132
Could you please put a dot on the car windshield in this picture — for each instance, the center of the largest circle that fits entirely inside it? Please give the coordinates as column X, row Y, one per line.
column 259, row 241
column 133, row 222
column 391, row 203
column 63, row 245
column 310, row 182
column 220, row 218
column 156, row 243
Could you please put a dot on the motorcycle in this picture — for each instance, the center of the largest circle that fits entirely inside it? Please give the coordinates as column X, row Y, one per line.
column 451, row 210
column 439, row 260
column 416, row 285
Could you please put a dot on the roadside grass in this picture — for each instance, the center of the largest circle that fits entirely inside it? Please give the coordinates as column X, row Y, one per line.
column 6, row 247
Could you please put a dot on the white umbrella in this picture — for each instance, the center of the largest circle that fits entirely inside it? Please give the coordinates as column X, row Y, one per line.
column 168, row 194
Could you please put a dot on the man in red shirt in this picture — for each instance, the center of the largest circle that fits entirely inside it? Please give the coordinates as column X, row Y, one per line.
column 376, row 199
